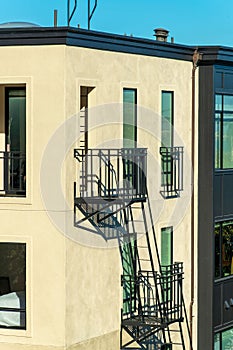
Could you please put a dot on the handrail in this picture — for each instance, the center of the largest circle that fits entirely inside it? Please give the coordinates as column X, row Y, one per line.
column 105, row 165
column 157, row 290
column 14, row 170
column 171, row 171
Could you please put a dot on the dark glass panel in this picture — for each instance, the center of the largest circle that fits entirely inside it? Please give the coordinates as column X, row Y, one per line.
column 227, row 244
column 228, row 81
column 12, row 285
column 219, row 80
column 15, row 169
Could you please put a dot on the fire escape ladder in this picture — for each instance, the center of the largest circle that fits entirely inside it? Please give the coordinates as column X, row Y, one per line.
column 83, row 129
column 153, row 299
column 172, row 331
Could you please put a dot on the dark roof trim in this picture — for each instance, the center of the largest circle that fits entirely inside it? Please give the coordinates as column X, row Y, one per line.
column 92, row 39
column 216, row 55
column 111, row 42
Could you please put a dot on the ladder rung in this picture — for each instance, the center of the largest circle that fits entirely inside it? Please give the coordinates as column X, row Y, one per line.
column 144, row 259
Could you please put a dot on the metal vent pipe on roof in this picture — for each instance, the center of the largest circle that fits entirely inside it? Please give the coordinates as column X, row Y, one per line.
column 161, row 34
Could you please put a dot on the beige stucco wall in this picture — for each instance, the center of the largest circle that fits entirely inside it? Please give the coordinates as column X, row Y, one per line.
column 73, row 290
column 25, row 219
column 109, row 73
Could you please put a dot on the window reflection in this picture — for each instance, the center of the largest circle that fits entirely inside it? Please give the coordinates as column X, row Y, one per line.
column 227, row 339
column 223, row 131
column 224, row 340
column 13, row 285
column 228, row 103
column 223, row 249
column 217, row 341
column 218, row 102
column 227, row 141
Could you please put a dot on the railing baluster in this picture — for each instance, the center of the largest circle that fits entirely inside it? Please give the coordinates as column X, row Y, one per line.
column 172, row 171
column 112, row 164
column 157, row 295
column 14, row 172
column 118, row 172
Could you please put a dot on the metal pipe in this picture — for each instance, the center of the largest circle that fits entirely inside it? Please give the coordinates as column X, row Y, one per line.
column 55, row 18
column 68, row 11
column 196, row 57
column 88, row 15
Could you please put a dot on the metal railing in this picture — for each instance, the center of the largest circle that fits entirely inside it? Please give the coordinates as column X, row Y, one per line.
column 152, row 296
column 112, row 173
column 13, row 173
column 171, row 171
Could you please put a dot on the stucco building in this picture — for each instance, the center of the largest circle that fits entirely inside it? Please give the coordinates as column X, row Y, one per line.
column 116, row 186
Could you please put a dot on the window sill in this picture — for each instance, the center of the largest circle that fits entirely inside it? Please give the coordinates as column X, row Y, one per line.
column 15, row 200
column 15, row 332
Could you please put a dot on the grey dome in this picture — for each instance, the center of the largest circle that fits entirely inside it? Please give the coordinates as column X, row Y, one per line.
column 18, row 25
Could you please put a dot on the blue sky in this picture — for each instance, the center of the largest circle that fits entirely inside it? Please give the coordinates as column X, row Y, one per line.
column 199, row 22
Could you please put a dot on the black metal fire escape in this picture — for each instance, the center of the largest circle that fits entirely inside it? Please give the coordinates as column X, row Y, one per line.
column 113, row 197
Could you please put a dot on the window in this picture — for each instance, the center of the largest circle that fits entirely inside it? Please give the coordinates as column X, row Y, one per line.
column 224, row 340
column 131, row 170
column 223, row 249
column 166, row 261
column 171, row 157
column 129, row 141
column 13, row 153
column 13, row 285
column 166, row 246
column 167, row 119
column 223, row 131
column 85, row 92
column 129, row 118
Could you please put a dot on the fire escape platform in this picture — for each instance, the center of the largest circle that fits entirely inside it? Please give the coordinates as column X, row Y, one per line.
column 102, row 208
column 101, row 200
column 149, row 321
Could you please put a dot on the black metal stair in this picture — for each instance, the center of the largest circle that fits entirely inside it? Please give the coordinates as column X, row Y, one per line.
column 113, row 198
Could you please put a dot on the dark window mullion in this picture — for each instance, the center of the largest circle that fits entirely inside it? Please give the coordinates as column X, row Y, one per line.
column 221, row 241
column 221, row 154
column 221, row 140
column 172, row 119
